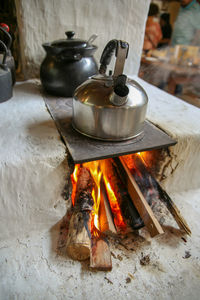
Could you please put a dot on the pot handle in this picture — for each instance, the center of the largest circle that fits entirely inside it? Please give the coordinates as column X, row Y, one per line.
column 8, row 36
column 5, row 53
column 121, row 52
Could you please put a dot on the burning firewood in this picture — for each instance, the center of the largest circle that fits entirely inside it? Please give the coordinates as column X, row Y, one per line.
column 105, row 215
column 150, row 183
column 131, row 218
column 84, row 238
column 100, row 256
column 79, row 237
column 139, row 201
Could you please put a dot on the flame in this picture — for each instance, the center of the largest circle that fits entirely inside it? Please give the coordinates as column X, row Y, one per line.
column 142, row 156
column 94, row 225
column 74, row 179
column 98, row 170
column 129, row 159
column 96, row 173
column 118, row 219
column 75, row 173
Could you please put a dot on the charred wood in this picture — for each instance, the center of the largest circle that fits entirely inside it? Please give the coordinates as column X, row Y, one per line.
column 139, row 201
column 146, row 181
column 128, row 210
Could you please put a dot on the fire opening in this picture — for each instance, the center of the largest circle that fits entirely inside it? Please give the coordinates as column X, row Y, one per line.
column 113, row 197
column 105, row 189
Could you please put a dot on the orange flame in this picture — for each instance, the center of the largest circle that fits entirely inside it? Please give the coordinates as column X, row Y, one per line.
column 74, row 179
column 118, row 219
column 96, row 173
column 142, row 156
column 97, row 168
column 129, row 159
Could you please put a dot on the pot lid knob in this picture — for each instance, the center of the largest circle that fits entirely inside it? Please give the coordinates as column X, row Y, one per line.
column 70, row 34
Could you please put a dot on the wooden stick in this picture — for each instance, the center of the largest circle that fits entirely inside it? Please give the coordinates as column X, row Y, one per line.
column 100, row 257
column 173, row 209
column 79, row 237
column 128, row 210
column 105, row 215
column 161, row 194
column 140, row 202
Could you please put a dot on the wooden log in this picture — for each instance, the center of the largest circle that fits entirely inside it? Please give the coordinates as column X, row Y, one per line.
column 139, row 201
column 100, row 257
column 128, row 210
column 79, row 237
column 161, row 194
column 105, row 215
column 64, row 229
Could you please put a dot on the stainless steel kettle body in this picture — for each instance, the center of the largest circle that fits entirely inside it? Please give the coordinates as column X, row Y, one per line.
column 111, row 108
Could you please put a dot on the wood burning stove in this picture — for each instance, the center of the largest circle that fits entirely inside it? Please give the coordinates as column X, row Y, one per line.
column 113, row 190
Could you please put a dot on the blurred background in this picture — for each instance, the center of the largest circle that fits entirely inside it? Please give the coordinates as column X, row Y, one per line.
column 171, row 50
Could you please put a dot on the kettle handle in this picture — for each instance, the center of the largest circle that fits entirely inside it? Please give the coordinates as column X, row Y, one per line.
column 8, row 36
column 5, row 53
column 121, row 52
column 107, row 55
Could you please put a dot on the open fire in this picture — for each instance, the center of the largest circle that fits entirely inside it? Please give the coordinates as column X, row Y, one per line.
column 102, row 180
column 110, row 197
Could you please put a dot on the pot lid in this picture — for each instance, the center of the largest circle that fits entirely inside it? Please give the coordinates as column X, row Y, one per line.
column 71, row 42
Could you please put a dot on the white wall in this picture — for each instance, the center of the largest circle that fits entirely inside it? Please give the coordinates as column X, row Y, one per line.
column 47, row 20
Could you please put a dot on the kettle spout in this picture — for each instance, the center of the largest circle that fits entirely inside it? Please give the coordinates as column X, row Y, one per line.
column 120, row 93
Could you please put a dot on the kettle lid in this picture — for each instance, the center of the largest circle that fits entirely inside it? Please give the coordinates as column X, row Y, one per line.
column 71, row 42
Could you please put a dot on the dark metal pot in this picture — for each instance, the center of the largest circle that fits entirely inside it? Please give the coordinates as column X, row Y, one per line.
column 68, row 63
column 9, row 58
column 5, row 77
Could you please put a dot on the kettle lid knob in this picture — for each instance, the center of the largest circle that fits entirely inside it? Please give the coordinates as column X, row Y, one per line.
column 70, row 34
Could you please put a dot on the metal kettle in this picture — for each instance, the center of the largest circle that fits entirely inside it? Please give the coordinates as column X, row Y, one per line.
column 9, row 58
column 5, row 77
column 110, row 107
column 68, row 63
